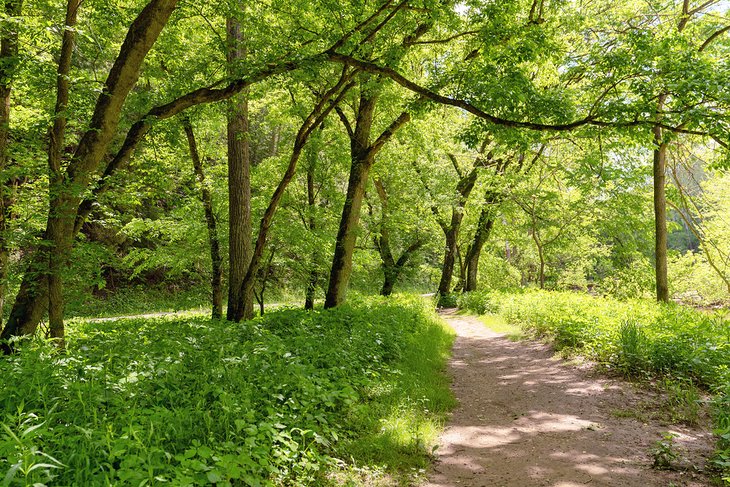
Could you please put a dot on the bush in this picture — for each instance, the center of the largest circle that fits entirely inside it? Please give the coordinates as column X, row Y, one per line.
column 447, row 300
column 480, row 302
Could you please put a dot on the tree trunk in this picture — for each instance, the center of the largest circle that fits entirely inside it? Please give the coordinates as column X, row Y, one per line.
column 362, row 155
column 390, row 277
column 660, row 216
column 58, row 205
column 31, row 301
column 486, row 223
column 240, row 302
column 451, row 230
column 264, row 278
column 315, row 118
column 362, row 158
column 484, row 228
column 447, row 270
column 391, row 268
column 540, row 253
column 311, row 289
column 8, row 59
column 347, row 232
column 205, row 198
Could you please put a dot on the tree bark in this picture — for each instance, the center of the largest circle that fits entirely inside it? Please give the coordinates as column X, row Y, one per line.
column 264, row 278
column 391, row 268
column 8, row 58
column 321, row 110
column 451, row 231
column 362, row 156
column 311, row 226
column 660, row 210
column 484, row 228
column 210, row 220
column 541, row 271
column 58, row 207
column 393, row 272
column 240, row 306
column 447, row 270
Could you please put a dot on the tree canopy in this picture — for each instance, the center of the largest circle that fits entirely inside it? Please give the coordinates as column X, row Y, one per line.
column 518, row 134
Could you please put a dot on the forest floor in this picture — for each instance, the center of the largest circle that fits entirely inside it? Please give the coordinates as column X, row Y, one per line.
column 527, row 418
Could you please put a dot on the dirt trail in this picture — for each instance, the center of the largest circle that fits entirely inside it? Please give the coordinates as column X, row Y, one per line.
column 528, row 419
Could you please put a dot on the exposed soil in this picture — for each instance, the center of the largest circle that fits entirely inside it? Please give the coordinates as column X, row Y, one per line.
column 527, row 419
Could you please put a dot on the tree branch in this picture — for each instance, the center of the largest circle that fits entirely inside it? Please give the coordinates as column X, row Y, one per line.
column 469, row 107
column 714, row 36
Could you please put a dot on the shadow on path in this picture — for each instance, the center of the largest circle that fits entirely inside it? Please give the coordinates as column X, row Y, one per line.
column 528, row 419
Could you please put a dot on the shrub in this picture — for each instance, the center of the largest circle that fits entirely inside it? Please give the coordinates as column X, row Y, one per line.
column 480, row 302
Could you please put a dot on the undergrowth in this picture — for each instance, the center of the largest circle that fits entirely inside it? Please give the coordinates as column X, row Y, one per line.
column 292, row 398
column 682, row 347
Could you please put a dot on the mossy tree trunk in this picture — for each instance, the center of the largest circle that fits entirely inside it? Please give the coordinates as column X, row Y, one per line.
column 660, row 213
column 69, row 185
column 362, row 157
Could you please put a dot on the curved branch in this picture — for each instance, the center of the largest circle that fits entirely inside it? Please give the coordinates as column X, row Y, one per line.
column 714, row 36
column 588, row 120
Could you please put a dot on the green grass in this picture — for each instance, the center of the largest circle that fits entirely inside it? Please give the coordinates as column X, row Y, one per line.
column 140, row 299
column 498, row 324
column 684, row 348
column 292, row 398
column 145, row 299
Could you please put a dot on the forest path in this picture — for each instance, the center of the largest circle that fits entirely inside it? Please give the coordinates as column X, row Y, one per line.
column 528, row 419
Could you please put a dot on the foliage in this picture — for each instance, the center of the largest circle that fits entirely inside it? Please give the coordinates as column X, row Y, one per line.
column 274, row 401
column 664, row 452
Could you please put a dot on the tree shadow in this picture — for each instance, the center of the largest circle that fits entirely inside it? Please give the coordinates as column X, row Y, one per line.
column 528, row 419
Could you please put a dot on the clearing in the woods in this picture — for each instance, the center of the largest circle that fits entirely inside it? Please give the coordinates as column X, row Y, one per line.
column 527, row 418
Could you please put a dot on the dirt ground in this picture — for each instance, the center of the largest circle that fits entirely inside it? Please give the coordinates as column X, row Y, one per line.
column 527, row 419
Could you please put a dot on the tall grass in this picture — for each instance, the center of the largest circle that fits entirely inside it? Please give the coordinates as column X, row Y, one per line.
column 287, row 399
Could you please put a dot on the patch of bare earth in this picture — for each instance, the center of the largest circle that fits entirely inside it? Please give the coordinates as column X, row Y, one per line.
column 527, row 418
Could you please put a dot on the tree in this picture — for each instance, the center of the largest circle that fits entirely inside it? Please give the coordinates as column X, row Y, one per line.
column 8, row 61
column 240, row 306
column 362, row 152
column 392, row 266
column 211, row 223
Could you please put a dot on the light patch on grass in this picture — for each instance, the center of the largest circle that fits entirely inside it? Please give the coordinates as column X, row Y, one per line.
column 498, row 324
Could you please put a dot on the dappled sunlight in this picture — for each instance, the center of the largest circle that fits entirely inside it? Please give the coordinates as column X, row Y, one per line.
column 528, row 419
column 480, row 437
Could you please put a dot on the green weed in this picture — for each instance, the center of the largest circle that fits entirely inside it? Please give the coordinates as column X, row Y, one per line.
column 683, row 403
column 632, row 347
column 280, row 400
column 664, row 452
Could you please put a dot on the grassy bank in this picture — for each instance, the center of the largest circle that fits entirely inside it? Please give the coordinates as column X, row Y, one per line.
column 685, row 347
column 292, row 398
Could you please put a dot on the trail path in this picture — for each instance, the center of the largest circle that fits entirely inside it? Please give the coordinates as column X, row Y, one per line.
column 528, row 419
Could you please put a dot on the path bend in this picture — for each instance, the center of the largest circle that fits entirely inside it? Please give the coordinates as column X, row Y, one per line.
column 528, row 419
